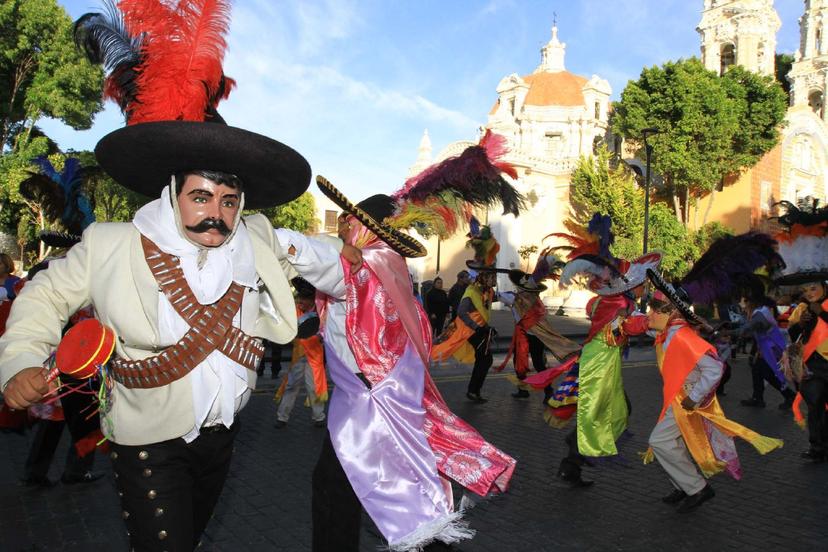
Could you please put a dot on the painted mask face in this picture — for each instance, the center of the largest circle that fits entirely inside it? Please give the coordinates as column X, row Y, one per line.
column 813, row 292
column 208, row 210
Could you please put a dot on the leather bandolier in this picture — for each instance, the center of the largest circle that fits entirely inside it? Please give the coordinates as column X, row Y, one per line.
column 211, row 329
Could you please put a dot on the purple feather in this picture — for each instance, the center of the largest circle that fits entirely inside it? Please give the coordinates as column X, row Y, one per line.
column 470, row 176
column 601, row 226
column 474, row 227
column 718, row 272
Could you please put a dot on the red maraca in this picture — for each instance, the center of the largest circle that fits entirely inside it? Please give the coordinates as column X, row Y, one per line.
column 86, row 346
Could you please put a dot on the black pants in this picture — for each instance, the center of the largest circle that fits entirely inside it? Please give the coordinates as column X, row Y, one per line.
column 760, row 373
column 169, row 489
column 536, row 350
column 482, row 360
column 46, row 436
column 336, row 510
column 437, row 323
column 814, row 390
column 77, row 411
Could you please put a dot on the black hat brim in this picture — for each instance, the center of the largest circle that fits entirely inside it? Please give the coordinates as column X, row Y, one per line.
column 144, row 156
column 801, row 278
column 403, row 244
column 517, row 276
column 484, row 268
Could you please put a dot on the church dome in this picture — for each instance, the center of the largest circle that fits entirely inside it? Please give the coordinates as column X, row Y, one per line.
column 561, row 88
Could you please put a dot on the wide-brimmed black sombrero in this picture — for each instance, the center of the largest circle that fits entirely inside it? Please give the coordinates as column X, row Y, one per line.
column 143, row 157
column 525, row 282
column 371, row 212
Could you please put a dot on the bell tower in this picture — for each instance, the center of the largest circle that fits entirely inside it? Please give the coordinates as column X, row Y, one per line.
column 808, row 74
column 739, row 32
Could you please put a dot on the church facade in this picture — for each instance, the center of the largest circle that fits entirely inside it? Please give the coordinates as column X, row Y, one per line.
column 551, row 117
column 743, row 32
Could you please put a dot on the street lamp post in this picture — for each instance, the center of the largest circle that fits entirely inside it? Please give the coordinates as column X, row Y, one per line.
column 649, row 151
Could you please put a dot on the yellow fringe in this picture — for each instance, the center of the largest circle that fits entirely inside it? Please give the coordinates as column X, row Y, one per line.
column 648, row 456
column 764, row 445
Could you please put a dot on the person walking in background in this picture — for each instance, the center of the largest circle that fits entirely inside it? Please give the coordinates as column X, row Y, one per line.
column 437, row 306
column 457, row 290
column 307, row 366
column 770, row 344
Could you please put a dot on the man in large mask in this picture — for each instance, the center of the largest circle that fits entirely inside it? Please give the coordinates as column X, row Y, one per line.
column 190, row 287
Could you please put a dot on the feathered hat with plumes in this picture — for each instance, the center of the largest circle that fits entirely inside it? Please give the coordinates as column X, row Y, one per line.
column 484, row 245
column 439, row 200
column 588, row 253
column 720, row 273
column 62, row 197
column 163, row 64
column 547, row 267
column 803, row 244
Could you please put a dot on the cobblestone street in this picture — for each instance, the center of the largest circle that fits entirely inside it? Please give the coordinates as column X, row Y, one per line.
column 779, row 503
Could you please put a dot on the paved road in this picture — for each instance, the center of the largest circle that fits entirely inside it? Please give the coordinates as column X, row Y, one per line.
column 780, row 502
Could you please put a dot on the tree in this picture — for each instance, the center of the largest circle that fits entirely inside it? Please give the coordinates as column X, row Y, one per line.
column 525, row 252
column 599, row 186
column 299, row 214
column 113, row 202
column 41, row 71
column 784, row 62
column 710, row 126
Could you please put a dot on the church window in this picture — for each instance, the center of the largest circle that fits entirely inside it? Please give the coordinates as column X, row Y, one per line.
column 617, row 145
column 330, row 220
column 597, row 110
column 512, row 106
column 817, row 102
column 554, row 143
column 818, row 41
column 727, row 57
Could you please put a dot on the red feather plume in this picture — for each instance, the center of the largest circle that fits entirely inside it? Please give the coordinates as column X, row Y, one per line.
column 183, row 49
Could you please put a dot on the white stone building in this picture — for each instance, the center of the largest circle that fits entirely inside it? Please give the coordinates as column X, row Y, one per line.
column 550, row 117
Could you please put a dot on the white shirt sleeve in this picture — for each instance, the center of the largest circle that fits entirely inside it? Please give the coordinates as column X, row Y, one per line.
column 710, row 372
column 315, row 261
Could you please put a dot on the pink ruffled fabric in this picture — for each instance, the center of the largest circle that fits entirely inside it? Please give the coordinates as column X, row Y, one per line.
column 382, row 317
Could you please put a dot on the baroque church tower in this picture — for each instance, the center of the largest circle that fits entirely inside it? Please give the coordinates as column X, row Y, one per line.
column 740, row 32
column 808, row 75
column 743, row 32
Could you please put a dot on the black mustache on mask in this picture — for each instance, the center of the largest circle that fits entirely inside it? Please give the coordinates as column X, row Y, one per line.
column 210, row 224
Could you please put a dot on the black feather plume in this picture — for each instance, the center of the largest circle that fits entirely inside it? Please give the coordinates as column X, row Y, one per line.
column 805, row 217
column 719, row 271
column 44, row 191
column 104, row 38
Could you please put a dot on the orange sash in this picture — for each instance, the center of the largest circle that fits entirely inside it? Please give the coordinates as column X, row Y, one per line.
column 681, row 356
column 819, row 335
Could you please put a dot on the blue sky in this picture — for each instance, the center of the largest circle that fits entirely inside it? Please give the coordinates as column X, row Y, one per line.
column 352, row 84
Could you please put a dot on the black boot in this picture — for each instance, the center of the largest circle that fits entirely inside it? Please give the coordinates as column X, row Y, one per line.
column 570, row 471
column 521, row 394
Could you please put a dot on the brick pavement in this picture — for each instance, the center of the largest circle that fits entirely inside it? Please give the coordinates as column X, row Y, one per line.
column 266, row 502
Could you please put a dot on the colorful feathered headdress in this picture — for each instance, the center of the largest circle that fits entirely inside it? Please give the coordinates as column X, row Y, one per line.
column 483, row 243
column 547, row 267
column 721, row 272
column 803, row 244
column 163, row 63
column 62, row 198
column 440, row 199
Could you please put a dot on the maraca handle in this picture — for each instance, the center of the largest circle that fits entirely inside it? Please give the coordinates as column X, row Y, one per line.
column 52, row 375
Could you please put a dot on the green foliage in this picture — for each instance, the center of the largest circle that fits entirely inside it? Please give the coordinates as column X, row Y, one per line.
column 113, row 202
column 784, row 62
column 597, row 186
column 41, row 71
column 299, row 214
column 710, row 126
column 525, row 252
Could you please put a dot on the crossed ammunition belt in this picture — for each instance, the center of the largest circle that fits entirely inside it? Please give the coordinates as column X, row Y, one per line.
column 211, row 329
